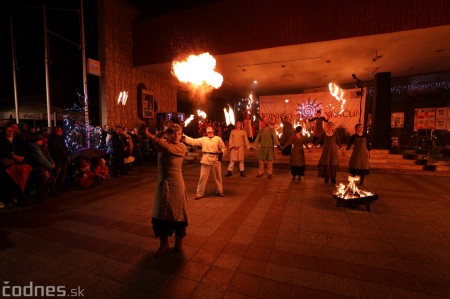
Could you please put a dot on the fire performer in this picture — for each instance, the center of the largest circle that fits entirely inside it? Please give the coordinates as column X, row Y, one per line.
column 267, row 138
column 297, row 160
column 238, row 140
column 359, row 160
column 328, row 162
column 170, row 207
column 248, row 125
column 213, row 148
column 318, row 125
column 287, row 133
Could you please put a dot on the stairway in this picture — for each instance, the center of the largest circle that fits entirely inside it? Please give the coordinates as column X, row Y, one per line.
column 381, row 161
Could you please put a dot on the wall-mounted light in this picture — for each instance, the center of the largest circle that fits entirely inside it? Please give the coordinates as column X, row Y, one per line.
column 122, row 98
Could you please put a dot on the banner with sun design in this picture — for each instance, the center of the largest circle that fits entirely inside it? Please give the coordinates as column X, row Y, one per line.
column 300, row 107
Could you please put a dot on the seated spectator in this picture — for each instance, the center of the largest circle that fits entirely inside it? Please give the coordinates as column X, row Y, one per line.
column 101, row 170
column 43, row 166
column 84, row 177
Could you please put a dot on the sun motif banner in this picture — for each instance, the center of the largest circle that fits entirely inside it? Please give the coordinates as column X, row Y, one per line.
column 300, row 107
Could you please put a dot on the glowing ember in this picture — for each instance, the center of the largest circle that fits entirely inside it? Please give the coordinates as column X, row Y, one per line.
column 338, row 93
column 198, row 71
column 351, row 191
column 188, row 120
column 201, row 113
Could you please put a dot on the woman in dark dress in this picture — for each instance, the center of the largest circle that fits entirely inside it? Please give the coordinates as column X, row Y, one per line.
column 328, row 163
column 297, row 160
column 359, row 160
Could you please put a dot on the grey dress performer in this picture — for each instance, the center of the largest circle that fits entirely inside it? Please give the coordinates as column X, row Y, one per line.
column 297, row 159
column 359, row 160
column 170, row 207
column 328, row 163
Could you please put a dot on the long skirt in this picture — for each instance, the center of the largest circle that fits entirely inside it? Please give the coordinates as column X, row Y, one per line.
column 328, row 171
column 298, row 170
column 167, row 228
column 359, row 172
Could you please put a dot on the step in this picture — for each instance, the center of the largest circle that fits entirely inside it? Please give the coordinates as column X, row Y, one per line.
column 380, row 161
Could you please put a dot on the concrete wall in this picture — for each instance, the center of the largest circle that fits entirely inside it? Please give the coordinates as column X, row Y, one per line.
column 246, row 25
column 115, row 19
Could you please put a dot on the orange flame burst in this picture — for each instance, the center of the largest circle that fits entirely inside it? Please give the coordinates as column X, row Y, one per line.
column 198, row 71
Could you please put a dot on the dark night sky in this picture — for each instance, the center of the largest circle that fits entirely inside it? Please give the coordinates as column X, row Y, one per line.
column 65, row 57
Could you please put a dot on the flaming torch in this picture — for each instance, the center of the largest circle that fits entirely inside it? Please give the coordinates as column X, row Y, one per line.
column 338, row 93
column 201, row 113
column 350, row 194
column 229, row 116
column 188, row 120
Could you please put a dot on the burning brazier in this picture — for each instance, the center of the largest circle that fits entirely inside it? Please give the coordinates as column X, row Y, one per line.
column 353, row 195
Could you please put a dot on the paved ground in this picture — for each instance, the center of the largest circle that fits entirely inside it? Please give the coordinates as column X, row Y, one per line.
column 265, row 239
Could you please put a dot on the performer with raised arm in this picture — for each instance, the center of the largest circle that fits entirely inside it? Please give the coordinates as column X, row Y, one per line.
column 213, row 148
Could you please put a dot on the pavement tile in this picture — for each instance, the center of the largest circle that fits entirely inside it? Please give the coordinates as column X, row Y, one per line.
column 253, row 267
column 264, row 241
column 433, row 286
column 205, row 256
column 282, row 258
column 246, row 284
column 237, row 249
column 178, row 288
column 219, row 277
column 370, row 290
column 309, row 279
column 275, row 289
column 207, row 290
column 408, row 294
column 309, row 262
column 334, row 253
column 341, row 285
column 228, row 261
column 286, row 245
column 368, row 273
column 280, row 273
column 338, row 268
column 192, row 270
column 401, row 280
column 258, row 253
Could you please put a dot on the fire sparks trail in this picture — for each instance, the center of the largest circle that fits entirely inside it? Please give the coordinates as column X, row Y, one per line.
column 188, row 120
column 338, row 93
column 198, row 71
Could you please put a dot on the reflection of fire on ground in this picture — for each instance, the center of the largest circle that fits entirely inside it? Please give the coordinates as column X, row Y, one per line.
column 351, row 191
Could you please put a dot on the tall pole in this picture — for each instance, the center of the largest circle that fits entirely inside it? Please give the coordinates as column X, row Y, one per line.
column 86, row 99
column 14, row 66
column 47, row 83
column 361, row 90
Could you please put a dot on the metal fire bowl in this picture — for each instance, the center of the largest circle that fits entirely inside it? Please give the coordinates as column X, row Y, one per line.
column 356, row 201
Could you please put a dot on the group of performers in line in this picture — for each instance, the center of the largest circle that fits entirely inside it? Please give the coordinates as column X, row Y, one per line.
column 170, row 207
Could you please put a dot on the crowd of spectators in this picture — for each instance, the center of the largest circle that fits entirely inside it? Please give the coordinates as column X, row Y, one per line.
column 47, row 164
column 36, row 163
